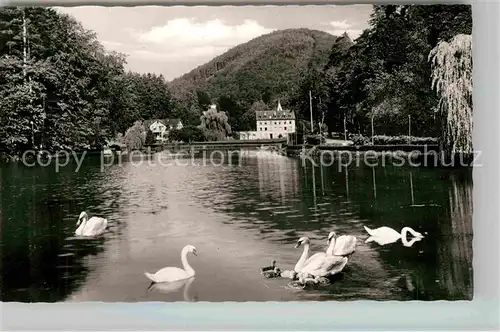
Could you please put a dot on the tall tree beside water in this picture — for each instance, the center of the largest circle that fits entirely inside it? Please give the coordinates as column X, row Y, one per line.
column 215, row 124
column 385, row 73
column 57, row 80
column 452, row 79
column 135, row 136
column 60, row 89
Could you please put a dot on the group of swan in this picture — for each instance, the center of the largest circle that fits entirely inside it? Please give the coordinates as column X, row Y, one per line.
column 320, row 266
column 315, row 269
column 96, row 226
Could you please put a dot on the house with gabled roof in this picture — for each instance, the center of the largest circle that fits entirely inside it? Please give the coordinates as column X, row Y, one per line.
column 272, row 124
column 161, row 127
column 277, row 123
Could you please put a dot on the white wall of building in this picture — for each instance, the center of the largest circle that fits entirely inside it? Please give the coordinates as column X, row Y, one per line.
column 273, row 128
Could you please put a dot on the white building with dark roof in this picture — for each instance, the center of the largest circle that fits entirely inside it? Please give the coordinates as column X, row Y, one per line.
column 273, row 124
column 161, row 127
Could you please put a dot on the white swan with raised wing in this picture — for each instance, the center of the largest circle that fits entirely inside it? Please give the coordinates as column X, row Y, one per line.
column 90, row 227
column 169, row 274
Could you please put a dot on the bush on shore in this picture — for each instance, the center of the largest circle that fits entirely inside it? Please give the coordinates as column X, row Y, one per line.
column 392, row 140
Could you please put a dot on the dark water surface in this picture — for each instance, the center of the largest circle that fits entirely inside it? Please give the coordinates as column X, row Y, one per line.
column 239, row 218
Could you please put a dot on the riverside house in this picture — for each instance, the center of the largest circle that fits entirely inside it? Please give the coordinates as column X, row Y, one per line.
column 272, row 124
column 161, row 127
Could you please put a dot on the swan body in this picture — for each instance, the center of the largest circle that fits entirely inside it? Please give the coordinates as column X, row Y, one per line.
column 318, row 257
column 314, row 258
column 170, row 274
column 383, row 241
column 330, row 266
column 90, row 227
column 344, row 245
column 385, row 235
column 329, row 263
column 304, row 260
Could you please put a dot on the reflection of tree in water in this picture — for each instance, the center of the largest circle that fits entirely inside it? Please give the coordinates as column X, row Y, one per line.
column 40, row 208
column 425, row 199
column 440, row 266
column 455, row 252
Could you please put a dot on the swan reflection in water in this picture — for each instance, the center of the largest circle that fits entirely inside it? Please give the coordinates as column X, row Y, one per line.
column 173, row 287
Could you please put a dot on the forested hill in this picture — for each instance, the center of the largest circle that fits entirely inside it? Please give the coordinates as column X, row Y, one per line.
column 267, row 67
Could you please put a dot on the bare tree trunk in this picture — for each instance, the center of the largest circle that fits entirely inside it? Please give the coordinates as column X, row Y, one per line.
column 25, row 37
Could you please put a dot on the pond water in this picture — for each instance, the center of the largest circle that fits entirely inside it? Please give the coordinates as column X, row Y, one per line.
column 240, row 217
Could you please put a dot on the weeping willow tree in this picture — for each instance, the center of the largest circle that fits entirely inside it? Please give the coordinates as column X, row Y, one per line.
column 452, row 78
column 215, row 124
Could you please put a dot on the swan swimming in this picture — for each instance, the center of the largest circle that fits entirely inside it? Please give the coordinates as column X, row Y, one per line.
column 383, row 241
column 317, row 256
column 90, row 227
column 322, row 265
column 304, row 260
column 169, row 274
column 385, row 235
column 344, row 245
column 322, row 269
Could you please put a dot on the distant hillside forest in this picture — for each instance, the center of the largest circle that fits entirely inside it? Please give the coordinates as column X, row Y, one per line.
column 60, row 88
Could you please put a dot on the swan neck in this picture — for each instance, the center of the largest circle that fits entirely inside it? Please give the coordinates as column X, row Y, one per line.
column 329, row 251
column 84, row 219
column 303, row 257
column 406, row 230
column 83, row 223
column 404, row 239
column 185, row 263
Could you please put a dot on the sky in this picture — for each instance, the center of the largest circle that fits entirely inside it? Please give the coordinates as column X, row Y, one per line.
column 174, row 40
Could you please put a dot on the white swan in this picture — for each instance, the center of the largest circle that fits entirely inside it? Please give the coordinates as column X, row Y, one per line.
column 344, row 245
column 323, row 265
column 90, row 227
column 317, row 256
column 385, row 235
column 329, row 266
column 169, row 274
column 383, row 241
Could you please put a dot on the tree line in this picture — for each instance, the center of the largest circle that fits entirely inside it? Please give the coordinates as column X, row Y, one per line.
column 60, row 88
column 387, row 73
